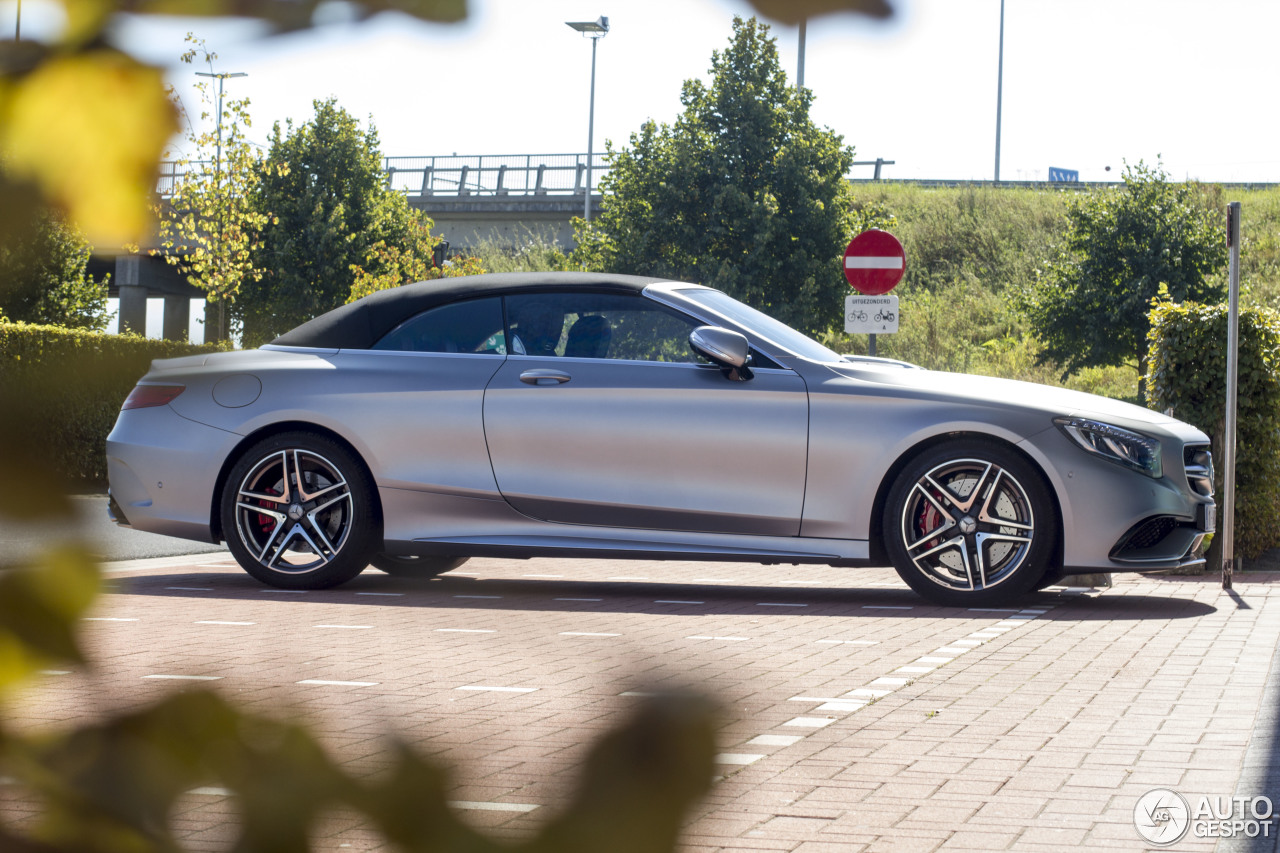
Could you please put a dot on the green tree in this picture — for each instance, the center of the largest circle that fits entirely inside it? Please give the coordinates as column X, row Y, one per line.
column 743, row 193
column 1090, row 307
column 335, row 221
column 44, row 277
column 209, row 225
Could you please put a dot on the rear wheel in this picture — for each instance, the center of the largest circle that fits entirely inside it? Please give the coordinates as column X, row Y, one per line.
column 415, row 567
column 298, row 510
column 970, row 522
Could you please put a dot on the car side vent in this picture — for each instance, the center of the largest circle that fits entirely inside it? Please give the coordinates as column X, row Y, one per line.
column 1199, row 466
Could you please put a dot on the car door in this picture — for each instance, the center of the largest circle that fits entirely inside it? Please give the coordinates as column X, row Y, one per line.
column 602, row 415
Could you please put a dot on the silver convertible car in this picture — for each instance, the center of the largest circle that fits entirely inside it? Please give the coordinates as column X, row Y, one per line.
column 582, row 415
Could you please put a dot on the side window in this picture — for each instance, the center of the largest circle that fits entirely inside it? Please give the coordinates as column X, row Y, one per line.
column 598, row 325
column 474, row 326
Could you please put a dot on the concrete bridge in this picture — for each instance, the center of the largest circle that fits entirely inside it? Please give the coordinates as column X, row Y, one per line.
column 472, row 199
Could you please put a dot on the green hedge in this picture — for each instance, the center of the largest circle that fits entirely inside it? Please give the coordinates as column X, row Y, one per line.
column 1187, row 371
column 61, row 389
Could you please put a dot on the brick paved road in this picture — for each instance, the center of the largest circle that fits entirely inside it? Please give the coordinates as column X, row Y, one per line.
column 856, row 716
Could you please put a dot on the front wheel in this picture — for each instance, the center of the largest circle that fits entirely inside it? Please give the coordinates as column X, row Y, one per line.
column 418, row 568
column 298, row 512
column 970, row 522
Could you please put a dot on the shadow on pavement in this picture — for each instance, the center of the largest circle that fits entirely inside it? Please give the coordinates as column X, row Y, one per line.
column 376, row 589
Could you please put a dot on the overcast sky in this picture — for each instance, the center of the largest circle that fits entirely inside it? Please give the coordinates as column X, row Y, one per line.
column 1088, row 83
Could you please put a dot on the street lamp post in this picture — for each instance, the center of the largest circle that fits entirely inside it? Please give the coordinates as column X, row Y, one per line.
column 217, row 182
column 594, row 30
column 999, row 90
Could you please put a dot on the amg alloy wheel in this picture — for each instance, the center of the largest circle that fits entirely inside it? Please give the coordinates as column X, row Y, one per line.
column 417, row 568
column 970, row 522
column 298, row 512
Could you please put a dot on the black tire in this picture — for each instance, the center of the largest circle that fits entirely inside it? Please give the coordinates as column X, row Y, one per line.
column 418, row 568
column 316, row 536
column 970, row 522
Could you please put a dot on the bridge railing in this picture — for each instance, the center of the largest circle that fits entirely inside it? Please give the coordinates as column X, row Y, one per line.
column 479, row 175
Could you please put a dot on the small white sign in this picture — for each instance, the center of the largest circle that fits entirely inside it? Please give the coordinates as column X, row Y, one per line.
column 871, row 315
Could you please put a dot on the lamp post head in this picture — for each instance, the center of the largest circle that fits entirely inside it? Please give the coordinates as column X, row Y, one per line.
column 591, row 29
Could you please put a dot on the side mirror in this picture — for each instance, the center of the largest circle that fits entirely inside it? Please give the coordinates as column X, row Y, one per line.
column 723, row 347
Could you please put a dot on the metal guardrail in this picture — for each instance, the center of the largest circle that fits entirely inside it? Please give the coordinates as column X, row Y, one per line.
column 480, row 175
column 454, row 175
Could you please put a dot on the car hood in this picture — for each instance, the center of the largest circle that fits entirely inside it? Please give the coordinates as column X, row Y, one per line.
column 1024, row 395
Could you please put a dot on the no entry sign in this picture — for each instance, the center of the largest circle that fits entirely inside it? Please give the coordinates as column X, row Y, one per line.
column 874, row 262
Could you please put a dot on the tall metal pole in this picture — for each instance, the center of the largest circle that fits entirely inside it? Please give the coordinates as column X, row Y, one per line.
column 804, row 24
column 1229, row 429
column 999, row 90
column 591, row 132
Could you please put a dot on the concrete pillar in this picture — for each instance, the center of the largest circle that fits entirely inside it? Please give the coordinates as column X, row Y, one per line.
column 177, row 318
column 133, row 297
column 213, row 318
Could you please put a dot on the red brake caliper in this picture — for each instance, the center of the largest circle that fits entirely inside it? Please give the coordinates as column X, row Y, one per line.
column 265, row 522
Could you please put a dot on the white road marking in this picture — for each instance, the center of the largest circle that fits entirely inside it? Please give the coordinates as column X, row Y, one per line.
column 328, row 683
column 742, row 758
column 186, row 677
column 217, row 622
column 810, row 722
column 934, row 660
column 916, row 669
column 466, row 630
column 840, row 706
column 210, row 792
column 484, row 687
column 55, row 672
column 341, row 626
column 775, row 740
column 890, row 682
column 493, row 807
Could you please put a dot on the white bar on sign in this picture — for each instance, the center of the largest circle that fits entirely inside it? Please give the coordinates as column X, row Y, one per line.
column 852, row 262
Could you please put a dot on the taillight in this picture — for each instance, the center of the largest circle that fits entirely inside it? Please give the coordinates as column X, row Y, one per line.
column 146, row 396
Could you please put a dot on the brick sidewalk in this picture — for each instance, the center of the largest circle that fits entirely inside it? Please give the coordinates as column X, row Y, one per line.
column 856, row 715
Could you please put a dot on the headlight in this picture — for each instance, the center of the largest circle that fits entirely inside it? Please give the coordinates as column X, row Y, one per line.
column 1112, row 443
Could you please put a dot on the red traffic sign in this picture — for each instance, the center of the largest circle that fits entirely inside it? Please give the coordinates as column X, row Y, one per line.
column 874, row 262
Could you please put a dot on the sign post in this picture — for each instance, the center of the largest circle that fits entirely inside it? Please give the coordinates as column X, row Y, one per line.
column 873, row 265
column 1229, row 429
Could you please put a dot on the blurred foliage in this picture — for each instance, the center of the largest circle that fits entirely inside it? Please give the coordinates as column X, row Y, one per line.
column 1187, row 371
column 209, row 226
column 1090, row 306
column 44, row 276
column 334, row 224
column 532, row 251
column 67, row 386
column 742, row 193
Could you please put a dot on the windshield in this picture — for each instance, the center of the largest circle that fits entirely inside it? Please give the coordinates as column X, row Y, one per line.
column 760, row 323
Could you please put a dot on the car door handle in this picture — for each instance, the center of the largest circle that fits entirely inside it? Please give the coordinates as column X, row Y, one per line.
column 544, row 377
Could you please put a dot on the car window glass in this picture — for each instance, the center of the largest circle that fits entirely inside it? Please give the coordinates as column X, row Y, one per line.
column 598, row 325
column 474, row 326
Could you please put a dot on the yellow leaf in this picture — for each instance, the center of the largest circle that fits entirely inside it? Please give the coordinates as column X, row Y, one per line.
column 88, row 130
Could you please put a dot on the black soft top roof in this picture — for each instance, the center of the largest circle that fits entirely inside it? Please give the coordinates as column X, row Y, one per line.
column 362, row 323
